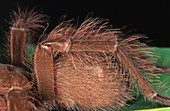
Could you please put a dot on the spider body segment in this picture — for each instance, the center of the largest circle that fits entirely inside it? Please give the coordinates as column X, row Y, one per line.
column 78, row 67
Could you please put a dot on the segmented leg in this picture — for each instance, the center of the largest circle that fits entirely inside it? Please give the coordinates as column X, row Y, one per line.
column 44, row 70
column 18, row 46
column 106, row 47
column 16, row 99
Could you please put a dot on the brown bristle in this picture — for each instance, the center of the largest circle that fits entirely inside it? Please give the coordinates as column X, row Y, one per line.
column 16, row 99
column 3, row 103
column 93, row 85
column 92, row 67
column 15, row 88
column 30, row 20
column 11, row 78
column 18, row 46
column 44, row 70
column 25, row 25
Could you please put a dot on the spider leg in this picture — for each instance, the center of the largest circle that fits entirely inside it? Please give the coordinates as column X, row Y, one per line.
column 17, row 46
column 143, row 83
column 16, row 98
column 44, row 70
column 105, row 46
column 64, row 45
column 43, row 59
column 94, row 45
column 166, row 70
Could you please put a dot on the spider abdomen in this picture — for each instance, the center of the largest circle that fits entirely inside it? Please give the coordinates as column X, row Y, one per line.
column 89, row 82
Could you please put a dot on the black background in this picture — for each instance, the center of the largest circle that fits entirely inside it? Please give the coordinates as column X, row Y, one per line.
column 151, row 17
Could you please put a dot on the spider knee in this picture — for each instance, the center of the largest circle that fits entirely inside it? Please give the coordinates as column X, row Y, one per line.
column 60, row 45
column 153, row 95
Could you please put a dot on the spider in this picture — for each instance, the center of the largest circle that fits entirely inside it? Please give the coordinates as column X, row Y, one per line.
column 77, row 67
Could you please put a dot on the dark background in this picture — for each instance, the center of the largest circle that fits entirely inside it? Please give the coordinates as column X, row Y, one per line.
column 151, row 18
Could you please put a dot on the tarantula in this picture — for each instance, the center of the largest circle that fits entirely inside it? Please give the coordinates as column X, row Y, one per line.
column 83, row 67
